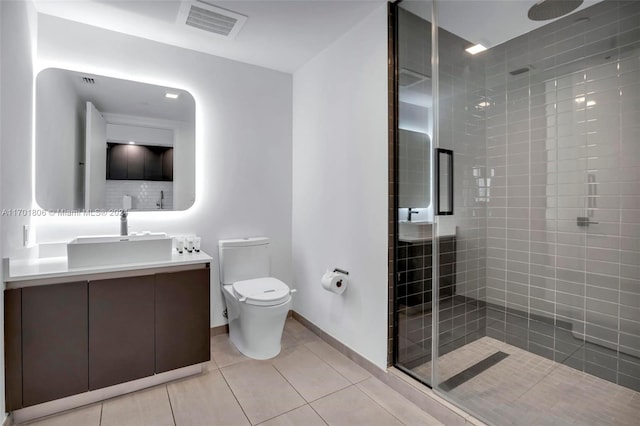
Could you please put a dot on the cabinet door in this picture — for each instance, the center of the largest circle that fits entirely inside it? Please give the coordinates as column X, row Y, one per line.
column 182, row 319
column 153, row 162
column 121, row 316
column 54, row 341
column 117, row 161
column 13, row 349
column 167, row 165
column 135, row 162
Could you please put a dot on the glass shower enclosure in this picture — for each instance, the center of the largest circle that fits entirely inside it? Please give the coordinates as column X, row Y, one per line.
column 517, row 251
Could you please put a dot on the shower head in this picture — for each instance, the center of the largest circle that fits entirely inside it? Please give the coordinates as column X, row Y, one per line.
column 551, row 9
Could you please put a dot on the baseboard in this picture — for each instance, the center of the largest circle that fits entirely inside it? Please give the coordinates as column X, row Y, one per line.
column 63, row 404
column 8, row 421
column 339, row 346
column 221, row 329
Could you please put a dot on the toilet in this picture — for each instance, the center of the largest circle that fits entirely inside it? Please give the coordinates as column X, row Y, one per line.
column 257, row 304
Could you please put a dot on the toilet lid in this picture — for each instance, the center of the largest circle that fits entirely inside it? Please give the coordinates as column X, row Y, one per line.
column 266, row 291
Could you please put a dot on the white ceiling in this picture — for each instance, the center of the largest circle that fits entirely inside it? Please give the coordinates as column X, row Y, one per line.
column 124, row 97
column 489, row 22
column 280, row 35
column 284, row 34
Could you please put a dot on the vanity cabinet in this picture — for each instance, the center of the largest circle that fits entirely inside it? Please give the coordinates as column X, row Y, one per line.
column 54, row 342
column 182, row 319
column 67, row 338
column 121, row 330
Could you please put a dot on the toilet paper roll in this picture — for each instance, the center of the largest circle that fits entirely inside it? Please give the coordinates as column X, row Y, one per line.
column 335, row 282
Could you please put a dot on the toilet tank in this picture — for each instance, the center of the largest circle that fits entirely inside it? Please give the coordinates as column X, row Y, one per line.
column 243, row 259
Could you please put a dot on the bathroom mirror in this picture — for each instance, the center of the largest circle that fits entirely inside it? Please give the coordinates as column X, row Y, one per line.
column 414, row 159
column 102, row 141
column 415, row 108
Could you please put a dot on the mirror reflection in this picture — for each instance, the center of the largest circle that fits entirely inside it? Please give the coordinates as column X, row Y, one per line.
column 107, row 143
column 415, row 104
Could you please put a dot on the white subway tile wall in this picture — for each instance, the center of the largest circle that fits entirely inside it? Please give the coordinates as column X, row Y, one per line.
column 462, row 117
column 145, row 194
column 563, row 142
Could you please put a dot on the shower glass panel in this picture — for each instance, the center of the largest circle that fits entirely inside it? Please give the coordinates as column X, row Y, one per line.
column 545, row 131
column 413, row 287
column 533, row 310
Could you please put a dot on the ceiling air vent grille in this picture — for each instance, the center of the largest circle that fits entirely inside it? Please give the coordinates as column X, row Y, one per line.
column 210, row 18
column 88, row 80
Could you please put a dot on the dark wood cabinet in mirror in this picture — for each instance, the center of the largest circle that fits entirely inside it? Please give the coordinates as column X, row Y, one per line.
column 139, row 162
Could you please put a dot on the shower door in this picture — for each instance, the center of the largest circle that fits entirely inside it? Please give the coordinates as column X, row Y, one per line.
column 527, row 295
column 413, row 302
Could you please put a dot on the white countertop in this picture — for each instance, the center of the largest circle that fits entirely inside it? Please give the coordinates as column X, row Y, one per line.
column 55, row 267
column 446, row 228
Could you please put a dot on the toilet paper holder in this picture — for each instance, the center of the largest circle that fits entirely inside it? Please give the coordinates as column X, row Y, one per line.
column 342, row 271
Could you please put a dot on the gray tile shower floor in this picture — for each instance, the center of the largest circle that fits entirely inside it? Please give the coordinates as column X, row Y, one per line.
column 527, row 389
column 309, row 383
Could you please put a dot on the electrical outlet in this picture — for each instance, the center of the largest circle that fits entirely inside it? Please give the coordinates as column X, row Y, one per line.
column 25, row 235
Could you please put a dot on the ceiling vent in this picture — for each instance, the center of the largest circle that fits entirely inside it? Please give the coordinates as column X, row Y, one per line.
column 408, row 78
column 213, row 19
column 88, row 80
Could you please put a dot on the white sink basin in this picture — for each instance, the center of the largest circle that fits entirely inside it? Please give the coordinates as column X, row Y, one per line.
column 107, row 250
column 415, row 231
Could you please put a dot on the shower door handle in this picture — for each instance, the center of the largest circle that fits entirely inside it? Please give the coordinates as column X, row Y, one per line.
column 443, row 182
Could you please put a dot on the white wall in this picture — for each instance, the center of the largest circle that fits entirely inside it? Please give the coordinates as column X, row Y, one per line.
column 60, row 119
column 243, row 141
column 340, row 197
column 17, row 38
column 183, row 161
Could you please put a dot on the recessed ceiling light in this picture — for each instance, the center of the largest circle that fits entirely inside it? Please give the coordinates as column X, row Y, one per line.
column 132, row 143
column 476, row 49
column 169, row 95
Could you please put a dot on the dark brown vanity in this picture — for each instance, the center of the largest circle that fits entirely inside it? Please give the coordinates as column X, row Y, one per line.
column 69, row 335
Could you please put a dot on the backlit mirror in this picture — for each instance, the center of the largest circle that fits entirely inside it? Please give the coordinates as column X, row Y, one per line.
column 104, row 143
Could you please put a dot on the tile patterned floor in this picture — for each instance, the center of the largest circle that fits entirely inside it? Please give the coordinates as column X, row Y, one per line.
column 527, row 389
column 309, row 383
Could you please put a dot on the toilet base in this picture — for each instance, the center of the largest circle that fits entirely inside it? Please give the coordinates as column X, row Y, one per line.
column 256, row 331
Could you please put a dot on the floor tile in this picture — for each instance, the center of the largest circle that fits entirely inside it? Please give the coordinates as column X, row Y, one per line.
column 300, row 332
column 205, row 400
column 224, row 353
column 308, row 374
column 288, row 340
column 343, row 365
column 84, row 416
column 148, row 407
column 300, row 416
column 261, row 390
column 527, row 389
column 351, row 407
column 400, row 407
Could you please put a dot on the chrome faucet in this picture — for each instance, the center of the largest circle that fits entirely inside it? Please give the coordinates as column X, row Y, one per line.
column 412, row 211
column 124, row 226
column 160, row 204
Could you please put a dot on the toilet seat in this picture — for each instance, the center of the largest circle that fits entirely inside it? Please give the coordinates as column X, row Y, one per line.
column 266, row 291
